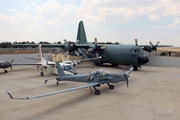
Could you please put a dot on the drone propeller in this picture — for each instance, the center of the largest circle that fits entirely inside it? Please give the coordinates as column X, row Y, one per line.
column 126, row 76
column 154, row 47
column 71, row 47
column 127, row 82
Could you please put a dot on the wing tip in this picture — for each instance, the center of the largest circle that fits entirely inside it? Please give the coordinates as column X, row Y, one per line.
column 10, row 95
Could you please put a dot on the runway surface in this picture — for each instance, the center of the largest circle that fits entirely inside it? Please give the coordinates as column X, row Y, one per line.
column 153, row 94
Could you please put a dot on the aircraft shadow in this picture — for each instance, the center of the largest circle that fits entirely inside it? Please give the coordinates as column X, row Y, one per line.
column 61, row 105
column 11, row 71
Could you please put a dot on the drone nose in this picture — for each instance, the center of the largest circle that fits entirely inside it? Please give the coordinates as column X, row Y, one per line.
column 143, row 59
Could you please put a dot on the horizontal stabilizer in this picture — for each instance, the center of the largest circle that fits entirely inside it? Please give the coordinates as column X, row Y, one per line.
column 32, row 58
column 17, row 98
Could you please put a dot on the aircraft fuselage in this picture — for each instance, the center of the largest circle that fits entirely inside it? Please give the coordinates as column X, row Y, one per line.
column 4, row 65
column 121, row 55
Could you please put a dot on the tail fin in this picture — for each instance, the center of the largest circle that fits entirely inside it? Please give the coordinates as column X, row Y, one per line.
column 81, row 34
column 40, row 54
column 59, row 70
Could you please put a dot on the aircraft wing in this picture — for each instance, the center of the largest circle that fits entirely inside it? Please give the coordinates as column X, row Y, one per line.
column 89, row 59
column 56, row 92
column 44, row 45
column 86, row 46
column 26, row 64
column 157, row 46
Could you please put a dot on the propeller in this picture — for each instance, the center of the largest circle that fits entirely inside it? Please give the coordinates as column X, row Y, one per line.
column 154, row 47
column 126, row 76
column 96, row 48
column 10, row 63
column 72, row 48
column 136, row 42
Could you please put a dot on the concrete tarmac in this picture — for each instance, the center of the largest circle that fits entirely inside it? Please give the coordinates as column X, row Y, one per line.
column 153, row 94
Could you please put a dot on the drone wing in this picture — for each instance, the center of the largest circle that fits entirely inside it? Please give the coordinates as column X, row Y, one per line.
column 56, row 92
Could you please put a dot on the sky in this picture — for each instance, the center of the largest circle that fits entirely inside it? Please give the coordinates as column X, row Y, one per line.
column 120, row 21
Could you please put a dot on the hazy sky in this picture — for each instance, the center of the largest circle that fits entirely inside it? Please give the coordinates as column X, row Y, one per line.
column 107, row 20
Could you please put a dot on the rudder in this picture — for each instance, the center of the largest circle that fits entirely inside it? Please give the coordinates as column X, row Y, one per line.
column 59, row 70
column 81, row 34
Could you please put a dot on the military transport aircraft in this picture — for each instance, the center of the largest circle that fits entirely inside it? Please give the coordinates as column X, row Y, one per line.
column 121, row 54
column 94, row 79
column 6, row 64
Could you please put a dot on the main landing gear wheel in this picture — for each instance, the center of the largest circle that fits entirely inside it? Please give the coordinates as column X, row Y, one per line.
column 135, row 68
column 57, row 83
column 41, row 74
column 98, row 63
column 97, row 92
column 5, row 71
column 114, row 64
column 111, row 86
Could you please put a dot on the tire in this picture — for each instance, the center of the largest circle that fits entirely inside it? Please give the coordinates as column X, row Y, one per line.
column 97, row 92
column 41, row 74
column 111, row 87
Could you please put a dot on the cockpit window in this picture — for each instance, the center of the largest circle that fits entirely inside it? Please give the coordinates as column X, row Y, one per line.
column 67, row 67
column 106, row 73
column 68, row 62
column 98, row 74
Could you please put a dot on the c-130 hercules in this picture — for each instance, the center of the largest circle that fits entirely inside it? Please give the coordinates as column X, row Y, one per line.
column 121, row 54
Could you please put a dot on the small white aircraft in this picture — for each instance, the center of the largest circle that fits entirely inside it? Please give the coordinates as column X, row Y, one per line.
column 44, row 64
column 67, row 66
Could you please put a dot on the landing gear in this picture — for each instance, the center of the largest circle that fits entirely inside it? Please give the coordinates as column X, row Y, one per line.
column 135, row 68
column 98, row 85
column 57, row 83
column 41, row 74
column 114, row 64
column 98, row 63
column 110, row 86
column 5, row 71
column 97, row 92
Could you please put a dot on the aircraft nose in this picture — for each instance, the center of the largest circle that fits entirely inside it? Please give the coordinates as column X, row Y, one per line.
column 143, row 59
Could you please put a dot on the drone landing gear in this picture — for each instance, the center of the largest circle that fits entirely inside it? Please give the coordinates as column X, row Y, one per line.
column 110, row 86
column 5, row 71
column 57, row 83
column 41, row 74
column 97, row 92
